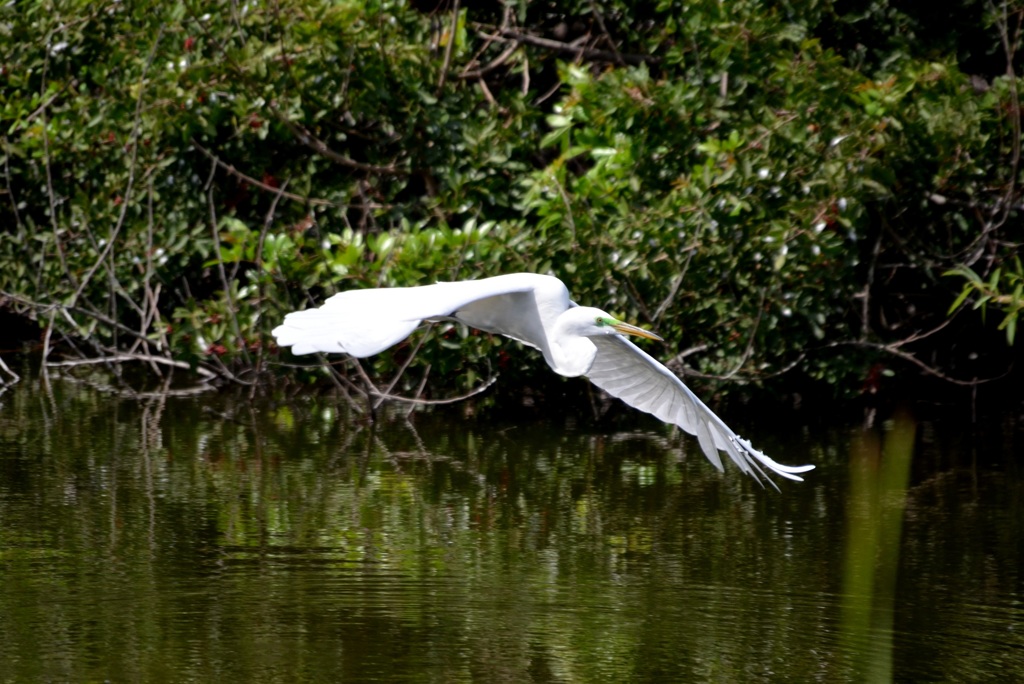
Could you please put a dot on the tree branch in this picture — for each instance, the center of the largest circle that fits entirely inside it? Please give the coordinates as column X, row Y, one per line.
column 320, row 147
column 505, row 35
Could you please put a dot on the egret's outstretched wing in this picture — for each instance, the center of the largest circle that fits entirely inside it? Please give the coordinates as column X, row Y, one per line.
column 625, row 371
column 365, row 322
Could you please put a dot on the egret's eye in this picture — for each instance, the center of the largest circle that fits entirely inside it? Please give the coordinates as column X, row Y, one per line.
column 601, row 321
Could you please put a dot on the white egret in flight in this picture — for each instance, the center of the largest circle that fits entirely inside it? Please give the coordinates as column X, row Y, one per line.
column 535, row 310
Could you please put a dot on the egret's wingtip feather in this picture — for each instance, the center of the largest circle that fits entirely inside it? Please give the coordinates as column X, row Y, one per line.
column 758, row 457
column 625, row 371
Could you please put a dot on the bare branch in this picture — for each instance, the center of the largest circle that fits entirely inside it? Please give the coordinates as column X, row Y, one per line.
column 134, row 142
column 452, row 29
column 259, row 184
column 124, row 391
column 13, row 376
column 401, row 371
column 223, row 274
column 604, row 30
column 451, row 400
column 505, row 35
column 894, row 350
column 492, row 65
column 132, row 358
column 319, row 146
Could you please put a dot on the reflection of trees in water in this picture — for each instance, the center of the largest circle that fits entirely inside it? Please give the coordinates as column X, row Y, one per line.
column 220, row 535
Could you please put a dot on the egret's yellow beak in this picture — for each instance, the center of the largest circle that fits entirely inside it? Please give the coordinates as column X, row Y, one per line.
column 627, row 329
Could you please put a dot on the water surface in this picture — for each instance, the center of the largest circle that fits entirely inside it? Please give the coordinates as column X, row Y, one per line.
column 214, row 538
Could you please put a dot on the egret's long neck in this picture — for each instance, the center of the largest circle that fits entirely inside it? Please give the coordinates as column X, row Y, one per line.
column 572, row 354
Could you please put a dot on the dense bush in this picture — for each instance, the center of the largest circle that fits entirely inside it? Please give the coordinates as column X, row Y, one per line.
column 774, row 187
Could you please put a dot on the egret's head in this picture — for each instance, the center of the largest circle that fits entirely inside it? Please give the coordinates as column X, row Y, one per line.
column 596, row 322
column 623, row 328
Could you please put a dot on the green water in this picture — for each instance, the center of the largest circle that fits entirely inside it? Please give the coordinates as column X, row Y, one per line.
column 216, row 538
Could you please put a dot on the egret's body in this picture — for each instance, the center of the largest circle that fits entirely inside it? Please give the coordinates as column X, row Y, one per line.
column 536, row 310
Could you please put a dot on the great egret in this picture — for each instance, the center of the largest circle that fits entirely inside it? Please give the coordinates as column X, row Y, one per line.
column 536, row 310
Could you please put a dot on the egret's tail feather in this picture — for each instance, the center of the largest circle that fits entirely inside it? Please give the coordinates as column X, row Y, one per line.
column 323, row 330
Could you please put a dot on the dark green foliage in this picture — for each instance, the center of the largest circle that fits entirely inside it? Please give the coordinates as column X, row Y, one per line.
column 769, row 185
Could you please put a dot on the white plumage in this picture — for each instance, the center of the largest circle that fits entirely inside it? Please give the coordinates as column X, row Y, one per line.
column 535, row 310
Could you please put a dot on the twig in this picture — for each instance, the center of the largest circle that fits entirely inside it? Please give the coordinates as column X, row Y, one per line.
column 941, row 200
column 127, row 358
column 674, row 290
column 319, row 146
column 634, row 296
column 696, row 349
column 14, row 376
column 7, row 178
column 684, row 371
column 999, row 212
column 342, row 383
column 102, row 318
column 46, row 347
column 261, row 185
column 894, row 350
column 505, row 35
column 226, row 373
column 419, row 390
column 474, row 60
column 267, row 221
column 129, row 392
column 401, row 371
column 750, row 339
column 1004, row 36
column 487, row 93
column 525, row 87
column 543, row 98
column 111, row 355
column 430, row 402
column 453, row 28
column 492, row 65
column 45, row 104
column 604, row 30
column 125, row 204
column 226, row 284
column 865, row 294
column 782, row 118
column 370, row 389
column 151, row 295
column 144, row 320
column 568, row 208
column 50, row 193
